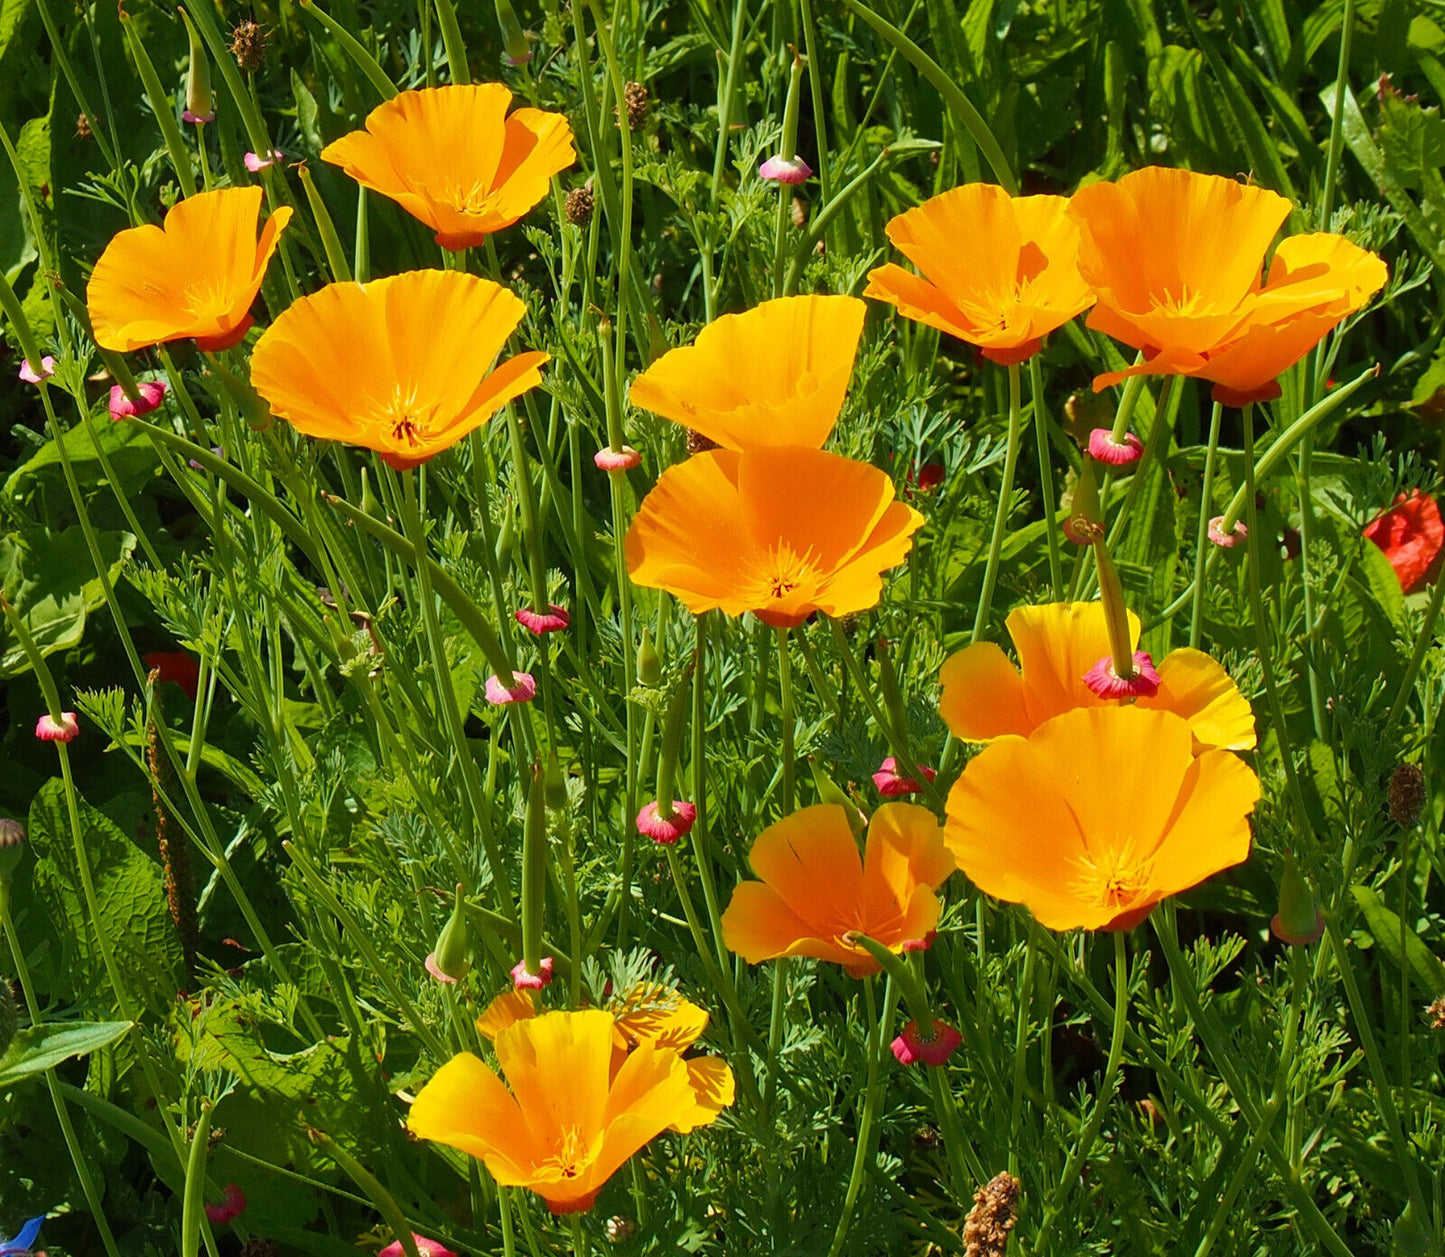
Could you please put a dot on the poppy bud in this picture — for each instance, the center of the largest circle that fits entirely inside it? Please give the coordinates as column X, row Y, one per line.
column 649, row 666
column 455, row 942
column 9, row 1015
column 1085, row 515
column 1298, row 921
column 506, row 540
column 200, row 107
column 554, row 783
column 514, row 38
column 892, row 694
column 12, row 847
column 370, row 503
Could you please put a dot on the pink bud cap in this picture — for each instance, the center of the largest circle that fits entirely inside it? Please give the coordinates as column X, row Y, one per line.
column 666, row 829
column 424, row 1246
column 785, row 170
column 31, row 376
column 525, row 980
column 435, row 970
column 188, row 116
column 1107, row 683
column 890, row 784
column 540, row 622
column 523, row 690
column 231, row 1207
column 1116, row 453
column 65, row 729
column 255, row 163
column 1282, row 932
column 609, row 459
column 1227, row 539
column 918, row 944
column 911, row 1048
column 149, row 395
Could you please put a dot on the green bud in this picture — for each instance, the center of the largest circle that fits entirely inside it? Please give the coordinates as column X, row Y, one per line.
column 455, row 943
column 514, row 38
column 554, row 783
column 370, row 503
column 892, row 693
column 649, row 665
column 506, row 539
column 1086, row 516
column 829, row 791
column 200, row 106
column 1410, row 1238
column 1298, row 921
column 9, row 1015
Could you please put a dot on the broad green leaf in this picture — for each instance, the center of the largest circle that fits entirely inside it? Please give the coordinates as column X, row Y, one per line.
column 1385, row 928
column 51, row 581
column 38, row 1048
column 130, row 905
column 132, row 457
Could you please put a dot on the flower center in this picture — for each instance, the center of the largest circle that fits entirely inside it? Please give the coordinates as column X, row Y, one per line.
column 406, row 419
column 471, row 199
column 206, row 298
column 1112, row 878
column 1184, row 303
column 572, row 1154
column 783, row 570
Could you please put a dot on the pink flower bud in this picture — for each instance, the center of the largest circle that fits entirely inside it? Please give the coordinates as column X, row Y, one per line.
column 912, row 1048
column 525, row 980
column 785, row 170
column 31, row 376
column 540, row 622
column 424, row 1246
column 150, row 394
column 1107, row 683
column 1227, row 539
column 1116, row 453
column 523, row 690
column 230, row 1208
column 666, row 829
column 65, row 729
column 609, row 459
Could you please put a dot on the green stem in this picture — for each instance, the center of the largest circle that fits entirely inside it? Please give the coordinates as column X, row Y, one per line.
column 1046, row 477
column 862, row 1151
column 1005, row 498
column 785, row 694
column 1201, row 549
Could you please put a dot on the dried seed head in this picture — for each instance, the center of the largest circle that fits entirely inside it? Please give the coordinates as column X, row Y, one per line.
column 697, row 443
column 249, row 45
column 82, row 127
column 1407, row 794
column 798, row 211
column 1435, row 1010
column 995, row 1210
column 579, row 205
column 634, row 96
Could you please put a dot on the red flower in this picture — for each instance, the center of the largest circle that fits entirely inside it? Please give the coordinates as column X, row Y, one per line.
column 911, row 1047
column 1412, row 536
column 891, row 783
column 177, row 666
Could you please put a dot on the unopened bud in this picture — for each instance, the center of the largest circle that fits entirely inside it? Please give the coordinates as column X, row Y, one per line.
column 370, row 503
column 649, row 665
column 1298, row 920
column 200, row 106
column 554, row 783
column 455, row 942
column 829, row 791
column 514, row 38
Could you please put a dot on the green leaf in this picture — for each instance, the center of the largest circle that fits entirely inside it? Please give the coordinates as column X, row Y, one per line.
column 1386, row 929
column 38, row 1048
column 51, row 581
column 132, row 457
column 130, row 905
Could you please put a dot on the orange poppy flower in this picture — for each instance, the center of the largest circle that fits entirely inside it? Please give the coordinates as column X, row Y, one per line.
column 998, row 271
column 648, row 1013
column 816, row 892
column 574, row 1112
column 773, row 375
column 401, row 365
column 1098, row 815
column 985, row 696
column 1412, row 536
column 195, row 276
column 451, row 157
column 781, row 532
column 1176, row 260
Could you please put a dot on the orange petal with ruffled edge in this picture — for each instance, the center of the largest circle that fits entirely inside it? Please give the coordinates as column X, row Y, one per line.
column 772, row 375
column 1197, row 688
column 401, row 365
column 194, row 277
column 506, row 1009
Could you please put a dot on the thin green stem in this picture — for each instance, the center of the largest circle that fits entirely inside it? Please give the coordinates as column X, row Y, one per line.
column 1005, row 500
column 1201, row 536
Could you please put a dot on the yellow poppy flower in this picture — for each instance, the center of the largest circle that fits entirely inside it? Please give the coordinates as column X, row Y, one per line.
column 194, row 277
column 985, row 696
column 401, row 365
column 773, row 375
column 781, row 532
column 816, row 892
column 453, row 158
column 1097, row 815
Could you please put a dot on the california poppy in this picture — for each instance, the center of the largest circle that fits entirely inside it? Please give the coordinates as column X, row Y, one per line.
column 816, row 893
column 1176, row 259
column 575, row 1111
column 985, row 696
column 453, row 158
column 1411, row 535
column 998, row 271
column 781, row 532
column 773, row 375
column 195, row 276
column 1097, row 815
column 401, row 365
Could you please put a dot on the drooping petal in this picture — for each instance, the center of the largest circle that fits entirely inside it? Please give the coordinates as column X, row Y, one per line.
column 1194, row 686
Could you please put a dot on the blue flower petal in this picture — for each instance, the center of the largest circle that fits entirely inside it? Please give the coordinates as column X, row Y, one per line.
column 24, row 1240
